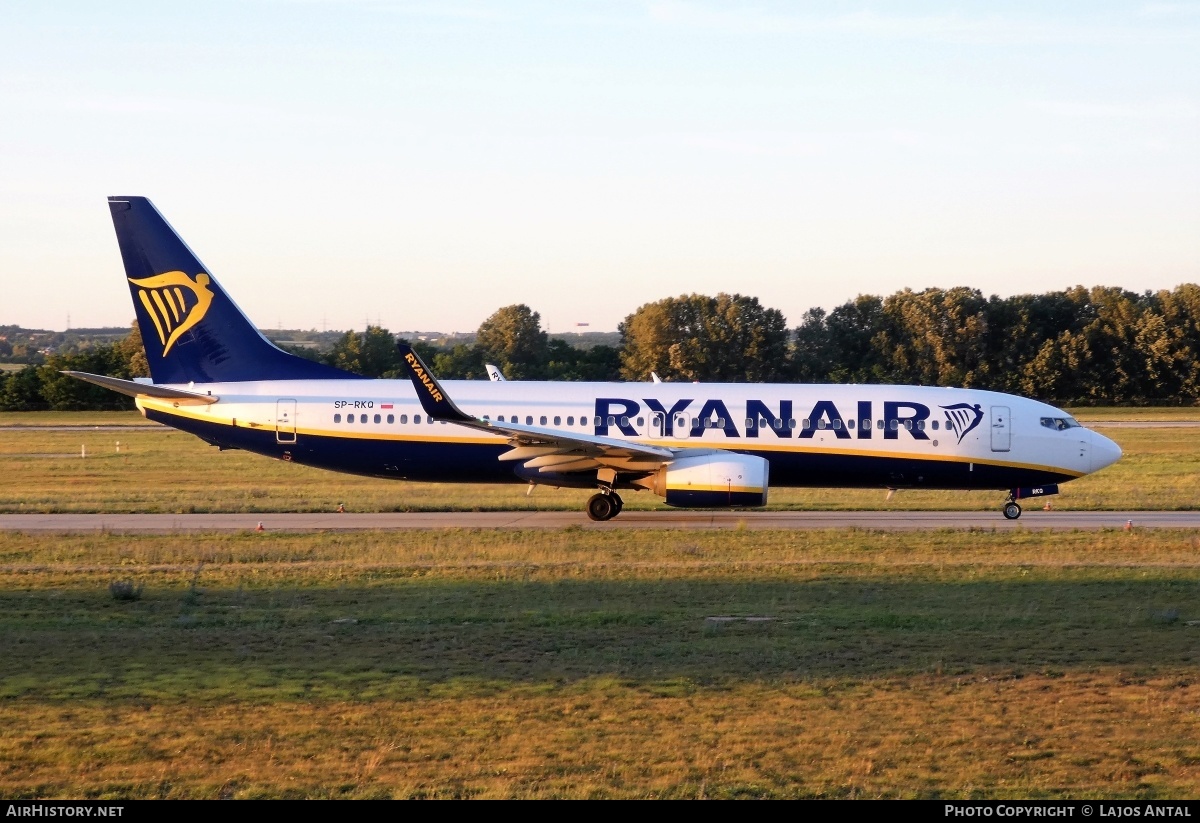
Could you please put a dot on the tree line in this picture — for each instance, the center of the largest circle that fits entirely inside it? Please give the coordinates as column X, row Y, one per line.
column 1079, row 346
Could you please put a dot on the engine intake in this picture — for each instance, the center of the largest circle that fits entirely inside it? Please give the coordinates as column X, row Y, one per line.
column 713, row 480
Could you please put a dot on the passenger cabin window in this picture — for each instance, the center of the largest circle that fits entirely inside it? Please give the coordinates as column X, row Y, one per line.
column 821, row 423
column 391, row 418
column 571, row 420
column 378, row 419
column 641, row 421
column 416, row 418
column 624, row 421
column 934, row 424
column 557, row 420
column 543, row 420
column 893, row 425
column 529, row 420
column 337, row 418
column 349, row 418
column 362, row 418
column 866, row 424
column 404, row 419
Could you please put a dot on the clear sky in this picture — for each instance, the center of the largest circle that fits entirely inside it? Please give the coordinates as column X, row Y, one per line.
column 421, row 164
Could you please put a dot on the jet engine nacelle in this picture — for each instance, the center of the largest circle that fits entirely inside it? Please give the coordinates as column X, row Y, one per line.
column 713, row 480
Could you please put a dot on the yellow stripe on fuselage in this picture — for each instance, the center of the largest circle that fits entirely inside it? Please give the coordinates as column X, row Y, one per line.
column 730, row 489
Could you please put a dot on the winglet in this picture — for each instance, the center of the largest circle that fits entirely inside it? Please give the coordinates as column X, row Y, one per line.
column 433, row 397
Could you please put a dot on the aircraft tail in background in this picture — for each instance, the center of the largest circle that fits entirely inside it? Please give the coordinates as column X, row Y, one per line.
column 192, row 330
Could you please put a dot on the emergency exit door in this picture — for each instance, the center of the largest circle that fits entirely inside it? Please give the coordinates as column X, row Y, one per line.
column 285, row 421
column 1001, row 429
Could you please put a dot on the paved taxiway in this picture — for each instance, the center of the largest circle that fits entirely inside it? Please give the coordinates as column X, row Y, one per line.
column 893, row 521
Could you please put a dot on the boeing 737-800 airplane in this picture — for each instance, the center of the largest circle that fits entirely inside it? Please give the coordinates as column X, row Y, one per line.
column 694, row 444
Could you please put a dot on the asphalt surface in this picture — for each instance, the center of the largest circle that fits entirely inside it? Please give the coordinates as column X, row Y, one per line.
column 628, row 521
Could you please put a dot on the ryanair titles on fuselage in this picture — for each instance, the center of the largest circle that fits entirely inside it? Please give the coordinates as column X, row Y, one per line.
column 700, row 416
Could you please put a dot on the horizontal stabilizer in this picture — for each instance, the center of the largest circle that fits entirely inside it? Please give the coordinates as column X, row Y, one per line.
column 135, row 389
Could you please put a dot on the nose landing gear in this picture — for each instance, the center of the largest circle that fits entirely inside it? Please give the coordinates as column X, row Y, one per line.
column 1012, row 510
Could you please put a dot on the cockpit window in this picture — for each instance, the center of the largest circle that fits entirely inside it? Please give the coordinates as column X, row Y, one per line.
column 1060, row 423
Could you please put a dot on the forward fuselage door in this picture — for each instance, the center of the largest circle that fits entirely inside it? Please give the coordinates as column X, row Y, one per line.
column 285, row 421
column 1001, row 429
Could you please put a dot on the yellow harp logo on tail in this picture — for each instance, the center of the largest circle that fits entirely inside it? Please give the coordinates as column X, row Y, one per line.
column 174, row 302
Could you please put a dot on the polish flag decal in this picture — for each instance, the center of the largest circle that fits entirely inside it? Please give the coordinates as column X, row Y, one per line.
column 385, row 405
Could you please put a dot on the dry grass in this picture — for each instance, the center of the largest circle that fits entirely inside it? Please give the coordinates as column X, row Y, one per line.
column 1097, row 734
column 580, row 664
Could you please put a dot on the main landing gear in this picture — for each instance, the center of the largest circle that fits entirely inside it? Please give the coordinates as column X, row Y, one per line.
column 1012, row 510
column 604, row 505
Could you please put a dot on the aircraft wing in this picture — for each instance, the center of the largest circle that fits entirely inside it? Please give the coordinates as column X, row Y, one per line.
column 550, row 450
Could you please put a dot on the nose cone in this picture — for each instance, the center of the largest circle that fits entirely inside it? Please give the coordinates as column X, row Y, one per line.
column 1104, row 452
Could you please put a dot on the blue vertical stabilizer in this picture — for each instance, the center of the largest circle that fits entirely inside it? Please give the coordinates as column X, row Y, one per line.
column 191, row 329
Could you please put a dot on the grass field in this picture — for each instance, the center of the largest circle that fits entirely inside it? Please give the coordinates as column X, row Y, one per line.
column 581, row 664
column 577, row 663
column 168, row 471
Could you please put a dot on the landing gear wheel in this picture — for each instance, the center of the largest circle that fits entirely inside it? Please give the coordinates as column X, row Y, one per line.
column 1011, row 510
column 602, row 507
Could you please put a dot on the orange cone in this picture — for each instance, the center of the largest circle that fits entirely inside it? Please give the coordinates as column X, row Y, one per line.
column 1128, row 525
column 259, row 527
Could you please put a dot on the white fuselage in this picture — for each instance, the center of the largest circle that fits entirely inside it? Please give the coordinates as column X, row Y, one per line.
column 812, row 435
